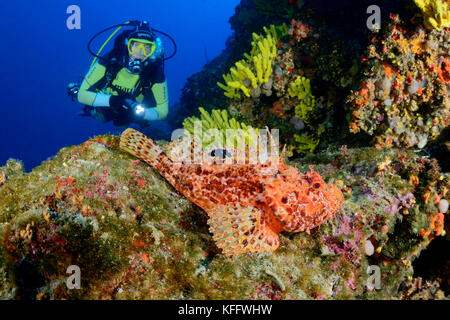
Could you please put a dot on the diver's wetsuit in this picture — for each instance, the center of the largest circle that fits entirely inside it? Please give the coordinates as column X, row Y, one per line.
column 124, row 84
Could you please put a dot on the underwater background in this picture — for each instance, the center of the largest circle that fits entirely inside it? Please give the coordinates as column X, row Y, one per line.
column 45, row 56
column 363, row 114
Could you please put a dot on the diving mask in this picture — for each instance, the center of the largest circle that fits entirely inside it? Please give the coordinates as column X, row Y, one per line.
column 146, row 47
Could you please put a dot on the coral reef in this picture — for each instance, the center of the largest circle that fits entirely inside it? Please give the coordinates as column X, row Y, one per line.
column 404, row 99
column 249, row 18
column 329, row 57
column 291, row 104
column 134, row 237
column 136, row 234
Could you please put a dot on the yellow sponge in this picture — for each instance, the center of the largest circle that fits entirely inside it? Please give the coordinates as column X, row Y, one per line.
column 435, row 13
column 256, row 68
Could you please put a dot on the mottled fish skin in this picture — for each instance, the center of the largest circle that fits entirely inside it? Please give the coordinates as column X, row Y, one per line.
column 247, row 208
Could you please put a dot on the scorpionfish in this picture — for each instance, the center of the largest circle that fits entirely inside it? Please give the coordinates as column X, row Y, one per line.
column 246, row 207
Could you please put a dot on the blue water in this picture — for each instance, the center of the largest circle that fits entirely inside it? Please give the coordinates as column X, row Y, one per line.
column 40, row 56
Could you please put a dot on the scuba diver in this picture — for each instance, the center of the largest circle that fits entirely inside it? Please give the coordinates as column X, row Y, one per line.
column 128, row 84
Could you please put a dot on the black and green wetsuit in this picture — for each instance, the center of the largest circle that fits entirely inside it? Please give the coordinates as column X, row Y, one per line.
column 95, row 90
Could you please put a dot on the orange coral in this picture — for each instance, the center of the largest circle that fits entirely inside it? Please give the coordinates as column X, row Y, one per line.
column 247, row 205
column 141, row 183
column 414, row 180
column 417, row 46
column 65, row 182
column 388, row 70
column 444, row 71
column 299, row 30
column 354, row 127
column 145, row 257
column 362, row 97
column 426, row 196
column 278, row 109
column 138, row 244
column 436, row 225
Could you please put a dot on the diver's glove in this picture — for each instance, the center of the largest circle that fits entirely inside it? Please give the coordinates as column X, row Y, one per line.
column 120, row 104
column 132, row 110
column 121, row 108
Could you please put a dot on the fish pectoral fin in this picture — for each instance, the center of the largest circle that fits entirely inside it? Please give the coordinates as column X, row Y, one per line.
column 239, row 229
column 139, row 145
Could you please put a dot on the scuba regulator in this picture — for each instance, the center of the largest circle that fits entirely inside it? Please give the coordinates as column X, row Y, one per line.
column 134, row 66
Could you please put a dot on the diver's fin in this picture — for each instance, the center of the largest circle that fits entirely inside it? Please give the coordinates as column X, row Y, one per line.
column 238, row 229
column 140, row 146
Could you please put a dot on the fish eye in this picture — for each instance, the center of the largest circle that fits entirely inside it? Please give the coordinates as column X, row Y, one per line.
column 220, row 153
column 316, row 185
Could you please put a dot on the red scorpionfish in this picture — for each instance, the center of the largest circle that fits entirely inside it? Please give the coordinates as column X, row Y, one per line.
column 247, row 207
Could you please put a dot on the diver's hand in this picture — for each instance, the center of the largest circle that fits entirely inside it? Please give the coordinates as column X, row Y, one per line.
column 120, row 104
column 134, row 109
